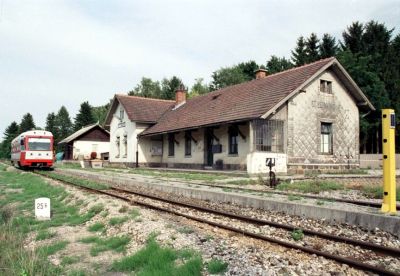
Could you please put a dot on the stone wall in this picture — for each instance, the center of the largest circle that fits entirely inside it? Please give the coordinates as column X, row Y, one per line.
column 307, row 111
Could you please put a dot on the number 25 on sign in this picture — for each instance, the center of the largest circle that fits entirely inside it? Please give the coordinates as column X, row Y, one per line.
column 42, row 208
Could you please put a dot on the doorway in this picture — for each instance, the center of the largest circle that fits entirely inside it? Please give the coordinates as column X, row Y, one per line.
column 209, row 141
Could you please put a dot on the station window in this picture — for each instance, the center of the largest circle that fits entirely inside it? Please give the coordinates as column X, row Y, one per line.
column 233, row 140
column 325, row 86
column 117, row 143
column 125, row 145
column 268, row 135
column 171, row 144
column 188, row 144
column 121, row 114
column 326, row 138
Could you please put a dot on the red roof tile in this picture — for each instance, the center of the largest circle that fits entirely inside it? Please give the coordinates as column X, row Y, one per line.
column 236, row 103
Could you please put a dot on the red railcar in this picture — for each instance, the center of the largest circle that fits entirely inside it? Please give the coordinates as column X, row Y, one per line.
column 33, row 148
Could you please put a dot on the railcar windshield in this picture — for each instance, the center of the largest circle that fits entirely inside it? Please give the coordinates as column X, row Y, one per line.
column 39, row 144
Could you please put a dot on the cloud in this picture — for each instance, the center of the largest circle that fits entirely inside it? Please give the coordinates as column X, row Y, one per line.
column 55, row 53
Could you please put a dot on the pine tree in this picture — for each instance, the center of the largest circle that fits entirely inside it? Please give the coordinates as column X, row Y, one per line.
column 276, row 64
column 328, row 46
column 169, row 87
column 27, row 123
column 299, row 55
column 353, row 38
column 51, row 123
column 248, row 69
column 63, row 124
column 10, row 133
column 84, row 117
column 312, row 49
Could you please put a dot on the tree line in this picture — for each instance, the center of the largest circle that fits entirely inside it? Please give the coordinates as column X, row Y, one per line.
column 368, row 51
column 59, row 123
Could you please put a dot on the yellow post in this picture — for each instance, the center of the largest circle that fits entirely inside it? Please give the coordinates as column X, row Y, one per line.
column 389, row 165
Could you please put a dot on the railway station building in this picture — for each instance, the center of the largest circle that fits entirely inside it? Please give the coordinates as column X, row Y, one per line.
column 307, row 118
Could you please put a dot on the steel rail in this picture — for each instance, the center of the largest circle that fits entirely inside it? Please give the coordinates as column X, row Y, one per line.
column 371, row 246
column 344, row 260
column 367, row 245
column 351, row 201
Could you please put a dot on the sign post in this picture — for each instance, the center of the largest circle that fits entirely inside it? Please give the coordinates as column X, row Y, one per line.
column 389, row 164
column 42, row 208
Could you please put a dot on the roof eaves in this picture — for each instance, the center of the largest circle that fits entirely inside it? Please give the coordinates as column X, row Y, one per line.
column 195, row 127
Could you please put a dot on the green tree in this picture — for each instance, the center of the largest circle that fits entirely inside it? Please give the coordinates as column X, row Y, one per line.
column 27, row 123
column 10, row 133
column 353, row 38
column 299, row 54
column 276, row 64
column 51, row 124
column 169, row 87
column 312, row 49
column 328, row 46
column 84, row 117
column 147, row 88
column 100, row 113
column 63, row 124
column 227, row 76
column 360, row 69
column 248, row 68
column 199, row 88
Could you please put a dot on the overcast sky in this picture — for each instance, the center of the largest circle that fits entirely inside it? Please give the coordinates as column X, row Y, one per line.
column 55, row 53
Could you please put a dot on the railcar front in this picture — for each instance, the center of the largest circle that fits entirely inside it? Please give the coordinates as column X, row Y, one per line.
column 33, row 149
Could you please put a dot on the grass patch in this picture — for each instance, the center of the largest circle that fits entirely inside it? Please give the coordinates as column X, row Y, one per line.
column 135, row 213
column 209, row 177
column 297, row 234
column 44, row 234
column 314, row 186
column 52, row 248
column 216, row 266
column 376, row 192
column 123, row 209
column 90, row 239
column 67, row 260
column 244, row 182
column 117, row 220
column 156, row 260
column 293, row 197
column 76, row 180
column 98, row 226
column 117, row 244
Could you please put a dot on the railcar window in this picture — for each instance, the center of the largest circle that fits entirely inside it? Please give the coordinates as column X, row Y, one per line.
column 39, row 144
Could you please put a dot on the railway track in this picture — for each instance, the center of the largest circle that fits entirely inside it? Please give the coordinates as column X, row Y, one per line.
column 126, row 195
column 367, row 203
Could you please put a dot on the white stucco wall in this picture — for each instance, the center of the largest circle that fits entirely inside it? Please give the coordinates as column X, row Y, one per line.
column 120, row 128
column 84, row 148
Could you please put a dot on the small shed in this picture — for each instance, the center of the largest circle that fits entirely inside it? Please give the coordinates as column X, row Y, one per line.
column 80, row 145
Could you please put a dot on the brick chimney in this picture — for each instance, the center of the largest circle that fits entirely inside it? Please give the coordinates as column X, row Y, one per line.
column 261, row 73
column 180, row 95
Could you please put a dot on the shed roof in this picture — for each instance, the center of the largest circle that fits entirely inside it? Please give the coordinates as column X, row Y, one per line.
column 253, row 99
column 80, row 132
